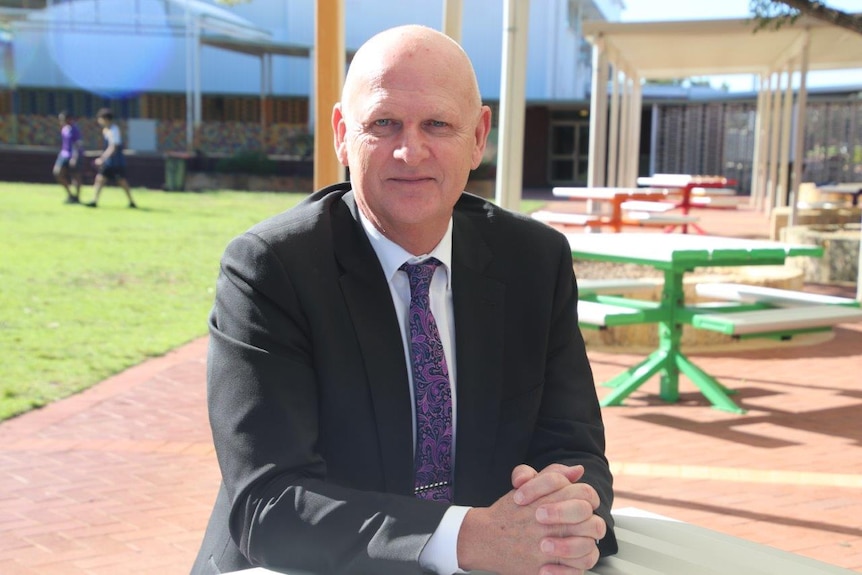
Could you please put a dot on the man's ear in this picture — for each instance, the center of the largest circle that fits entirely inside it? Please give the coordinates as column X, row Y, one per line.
column 339, row 129
column 483, row 128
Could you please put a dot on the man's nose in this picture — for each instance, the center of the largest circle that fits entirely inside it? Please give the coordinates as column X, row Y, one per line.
column 413, row 147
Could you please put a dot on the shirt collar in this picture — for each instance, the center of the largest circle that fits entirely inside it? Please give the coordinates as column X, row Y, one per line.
column 391, row 255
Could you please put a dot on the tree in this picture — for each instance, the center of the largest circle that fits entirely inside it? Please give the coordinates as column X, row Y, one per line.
column 777, row 13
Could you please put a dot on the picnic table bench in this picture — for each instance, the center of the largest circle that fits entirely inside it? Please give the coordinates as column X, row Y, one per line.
column 565, row 219
column 769, row 312
column 782, row 323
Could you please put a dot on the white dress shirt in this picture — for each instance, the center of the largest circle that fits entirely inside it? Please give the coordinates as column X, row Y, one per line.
column 441, row 552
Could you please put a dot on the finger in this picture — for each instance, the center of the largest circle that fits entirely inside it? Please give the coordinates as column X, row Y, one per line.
column 572, row 504
column 578, row 552
column 568, row 512
column 539, row 486
column 573, row 473
column 593, row 529
column 555, row 569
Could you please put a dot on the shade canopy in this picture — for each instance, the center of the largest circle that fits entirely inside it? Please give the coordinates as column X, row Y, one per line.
column 624, row 54
column 681, row 49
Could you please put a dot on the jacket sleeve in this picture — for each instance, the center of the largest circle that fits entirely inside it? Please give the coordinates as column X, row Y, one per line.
column 569, row 427
column 263, row 399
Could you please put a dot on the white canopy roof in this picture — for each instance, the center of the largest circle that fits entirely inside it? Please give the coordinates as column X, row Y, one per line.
column 680, row 49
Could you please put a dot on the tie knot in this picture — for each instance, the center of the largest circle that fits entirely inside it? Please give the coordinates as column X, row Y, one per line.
column 420, row 274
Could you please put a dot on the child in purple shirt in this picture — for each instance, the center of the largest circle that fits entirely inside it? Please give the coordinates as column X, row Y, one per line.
column 67, row 167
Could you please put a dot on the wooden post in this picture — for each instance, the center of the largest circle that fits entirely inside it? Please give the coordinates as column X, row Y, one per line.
column 329, row 56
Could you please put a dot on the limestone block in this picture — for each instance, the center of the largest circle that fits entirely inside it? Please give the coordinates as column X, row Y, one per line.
column 809, row 216
column 840, row 243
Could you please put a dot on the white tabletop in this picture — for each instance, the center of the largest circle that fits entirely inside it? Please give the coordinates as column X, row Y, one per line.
column 604, row 193
column 672, row 247
column 682, row 180
column 847, row 188
column 651, row 544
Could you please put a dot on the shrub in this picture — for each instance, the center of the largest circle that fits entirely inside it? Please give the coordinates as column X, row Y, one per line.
column 253, row 162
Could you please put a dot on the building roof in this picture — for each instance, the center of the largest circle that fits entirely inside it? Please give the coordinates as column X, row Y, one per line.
column 255, row 47
column 683, row 49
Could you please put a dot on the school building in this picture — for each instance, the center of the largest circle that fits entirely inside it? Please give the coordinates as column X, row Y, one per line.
column 216, row 80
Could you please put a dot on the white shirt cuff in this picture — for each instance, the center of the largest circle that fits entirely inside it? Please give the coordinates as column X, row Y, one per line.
column 440, row 554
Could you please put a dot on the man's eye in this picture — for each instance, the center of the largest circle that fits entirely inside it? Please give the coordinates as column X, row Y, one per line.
column 383, row 123
column 437, row 124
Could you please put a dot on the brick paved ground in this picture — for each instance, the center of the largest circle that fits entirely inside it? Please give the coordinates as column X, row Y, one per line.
column 120, row 478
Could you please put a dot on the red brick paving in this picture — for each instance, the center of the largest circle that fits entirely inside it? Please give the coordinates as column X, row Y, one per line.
column 120, row 478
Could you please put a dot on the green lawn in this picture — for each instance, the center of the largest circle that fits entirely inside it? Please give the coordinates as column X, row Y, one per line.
column 86, row 293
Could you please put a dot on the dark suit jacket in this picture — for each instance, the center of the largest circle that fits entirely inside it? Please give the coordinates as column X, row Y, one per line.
column 308, row 391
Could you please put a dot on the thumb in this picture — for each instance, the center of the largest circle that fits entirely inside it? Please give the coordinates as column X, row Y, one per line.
column 522, row 474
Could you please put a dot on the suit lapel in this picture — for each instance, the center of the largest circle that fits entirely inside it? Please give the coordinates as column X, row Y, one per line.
column 478, row 305
column 366, row 294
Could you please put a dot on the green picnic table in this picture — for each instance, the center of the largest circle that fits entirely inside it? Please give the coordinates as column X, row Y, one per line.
column 675, row 255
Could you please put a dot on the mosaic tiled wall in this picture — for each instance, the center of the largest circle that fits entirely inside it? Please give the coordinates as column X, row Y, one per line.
column 212, row 138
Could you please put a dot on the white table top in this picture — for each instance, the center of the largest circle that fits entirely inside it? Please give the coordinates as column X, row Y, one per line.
column 604, row 193
column 651, row 544
column 848, row 188
column 682, row 180
column 674, row 247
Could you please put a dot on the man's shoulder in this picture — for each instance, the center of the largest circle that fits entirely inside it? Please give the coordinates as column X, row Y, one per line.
column 504, row 224
column 304, row 219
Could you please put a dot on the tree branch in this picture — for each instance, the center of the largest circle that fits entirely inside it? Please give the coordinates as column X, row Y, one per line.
column 813, row 8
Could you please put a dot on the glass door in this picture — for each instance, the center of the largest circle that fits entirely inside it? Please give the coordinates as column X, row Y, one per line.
column 569, row 152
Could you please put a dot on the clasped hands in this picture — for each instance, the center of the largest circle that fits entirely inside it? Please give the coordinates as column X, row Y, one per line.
column 545, row 526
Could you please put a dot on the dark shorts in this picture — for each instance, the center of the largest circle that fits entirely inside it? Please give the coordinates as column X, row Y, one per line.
column 112, row 172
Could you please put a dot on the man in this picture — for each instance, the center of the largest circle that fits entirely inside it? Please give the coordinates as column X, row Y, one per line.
column 67, row 168
column 111, row 163
column 313, row 349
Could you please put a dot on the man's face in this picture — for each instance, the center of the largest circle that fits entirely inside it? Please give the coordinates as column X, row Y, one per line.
column 410, row 137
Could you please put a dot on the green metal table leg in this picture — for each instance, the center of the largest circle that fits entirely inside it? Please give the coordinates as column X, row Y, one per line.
column 714, row 391
column 625, row 383
column 668, row 359
column 670, row 333
column 669, row 387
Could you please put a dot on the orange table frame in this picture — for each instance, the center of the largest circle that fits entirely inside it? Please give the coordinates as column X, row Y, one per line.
column 615, row 197
column 684, row 184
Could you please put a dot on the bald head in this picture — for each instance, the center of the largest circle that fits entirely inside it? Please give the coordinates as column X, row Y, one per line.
column 410, row 126
column 422, row 50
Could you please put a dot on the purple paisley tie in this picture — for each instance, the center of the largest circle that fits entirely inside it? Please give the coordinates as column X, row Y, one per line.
column 433, row 457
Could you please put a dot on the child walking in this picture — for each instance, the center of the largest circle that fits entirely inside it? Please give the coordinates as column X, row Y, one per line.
column 111, row 163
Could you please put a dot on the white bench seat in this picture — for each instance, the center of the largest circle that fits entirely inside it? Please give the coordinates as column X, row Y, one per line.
column 779, row 320
column 617, row 286
column 698, row 191
column 644, row 218
column 566, row 218
column 604, row 315
column 773, row 296
column 714, row 201
column 820, row 205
